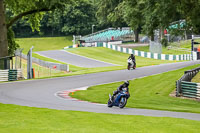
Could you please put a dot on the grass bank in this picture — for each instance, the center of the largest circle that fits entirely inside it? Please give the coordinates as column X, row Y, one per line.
column 20, row 119
column 44, row 43
column 150, row 92
column 115, row 57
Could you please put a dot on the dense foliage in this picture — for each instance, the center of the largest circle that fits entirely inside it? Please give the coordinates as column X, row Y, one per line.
column 67, row 17
column 72, row 19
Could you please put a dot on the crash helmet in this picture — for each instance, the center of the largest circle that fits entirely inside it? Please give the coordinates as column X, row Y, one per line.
column 126, row 83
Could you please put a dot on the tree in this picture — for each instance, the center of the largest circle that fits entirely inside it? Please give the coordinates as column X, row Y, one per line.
column 133, row 16
column 32, row 10
column 108, row 13
column 158, row 14
column 189, row 9
column 3, row 31
column 77, row 19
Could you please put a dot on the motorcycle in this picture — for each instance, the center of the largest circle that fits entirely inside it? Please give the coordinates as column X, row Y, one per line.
column 131, row 64
column 120, row 99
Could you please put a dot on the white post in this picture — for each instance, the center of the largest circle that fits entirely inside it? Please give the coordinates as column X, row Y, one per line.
column 74, row 39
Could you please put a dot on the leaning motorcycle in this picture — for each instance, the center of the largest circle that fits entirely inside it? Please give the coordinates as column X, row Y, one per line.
column 120, row 99
column 131, row 64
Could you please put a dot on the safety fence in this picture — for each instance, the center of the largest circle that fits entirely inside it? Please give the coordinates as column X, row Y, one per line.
column 10, row 75
column 186, row 88
column 58, row 66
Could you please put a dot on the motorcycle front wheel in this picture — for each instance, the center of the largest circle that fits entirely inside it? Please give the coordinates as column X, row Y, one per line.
column 109, row 103
column 122, row 102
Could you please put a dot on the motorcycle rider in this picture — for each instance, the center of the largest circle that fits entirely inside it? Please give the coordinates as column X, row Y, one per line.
column 132, row 56
column 120, row 88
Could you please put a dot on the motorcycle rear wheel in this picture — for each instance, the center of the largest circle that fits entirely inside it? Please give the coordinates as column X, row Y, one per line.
column 128, row 67
column 122, row 102
column 134, row 66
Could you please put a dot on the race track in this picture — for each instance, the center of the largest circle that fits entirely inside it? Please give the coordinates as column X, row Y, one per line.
column 41, row 93
column 73, row 59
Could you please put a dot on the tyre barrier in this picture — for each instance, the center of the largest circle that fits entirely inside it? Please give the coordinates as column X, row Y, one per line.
column 190, row 89
column 10, row 75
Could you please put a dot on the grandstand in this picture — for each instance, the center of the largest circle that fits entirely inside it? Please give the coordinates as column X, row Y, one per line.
column 107, row 35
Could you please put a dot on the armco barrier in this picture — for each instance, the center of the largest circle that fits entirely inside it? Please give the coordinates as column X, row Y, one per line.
column 186, row 88
column 10, row 75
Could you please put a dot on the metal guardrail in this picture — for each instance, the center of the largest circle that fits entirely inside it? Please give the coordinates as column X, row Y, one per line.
column 186, row 88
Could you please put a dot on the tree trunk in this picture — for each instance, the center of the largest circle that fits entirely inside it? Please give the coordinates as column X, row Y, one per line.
column 136, row 35
column 152, row 36
column 3, row 31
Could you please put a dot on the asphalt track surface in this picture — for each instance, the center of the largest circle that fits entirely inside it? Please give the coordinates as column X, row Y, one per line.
column 73, row 59
column 41, row 93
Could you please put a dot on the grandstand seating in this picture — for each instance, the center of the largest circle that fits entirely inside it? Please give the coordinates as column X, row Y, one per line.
column 107, row 35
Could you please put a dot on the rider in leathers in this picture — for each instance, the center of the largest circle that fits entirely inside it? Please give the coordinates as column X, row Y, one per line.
column 132, row 56
column 124, row 85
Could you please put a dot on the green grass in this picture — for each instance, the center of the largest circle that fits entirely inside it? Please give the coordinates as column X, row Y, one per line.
column 44, row 43
column 150, row 92
column 20, row 119
column 196, row 78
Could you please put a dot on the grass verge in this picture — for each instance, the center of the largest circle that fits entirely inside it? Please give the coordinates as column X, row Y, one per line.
column 20, row 119
column 150, row 92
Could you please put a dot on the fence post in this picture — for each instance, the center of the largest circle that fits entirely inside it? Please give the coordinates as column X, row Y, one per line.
column 29, row 64
column 178, row 87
